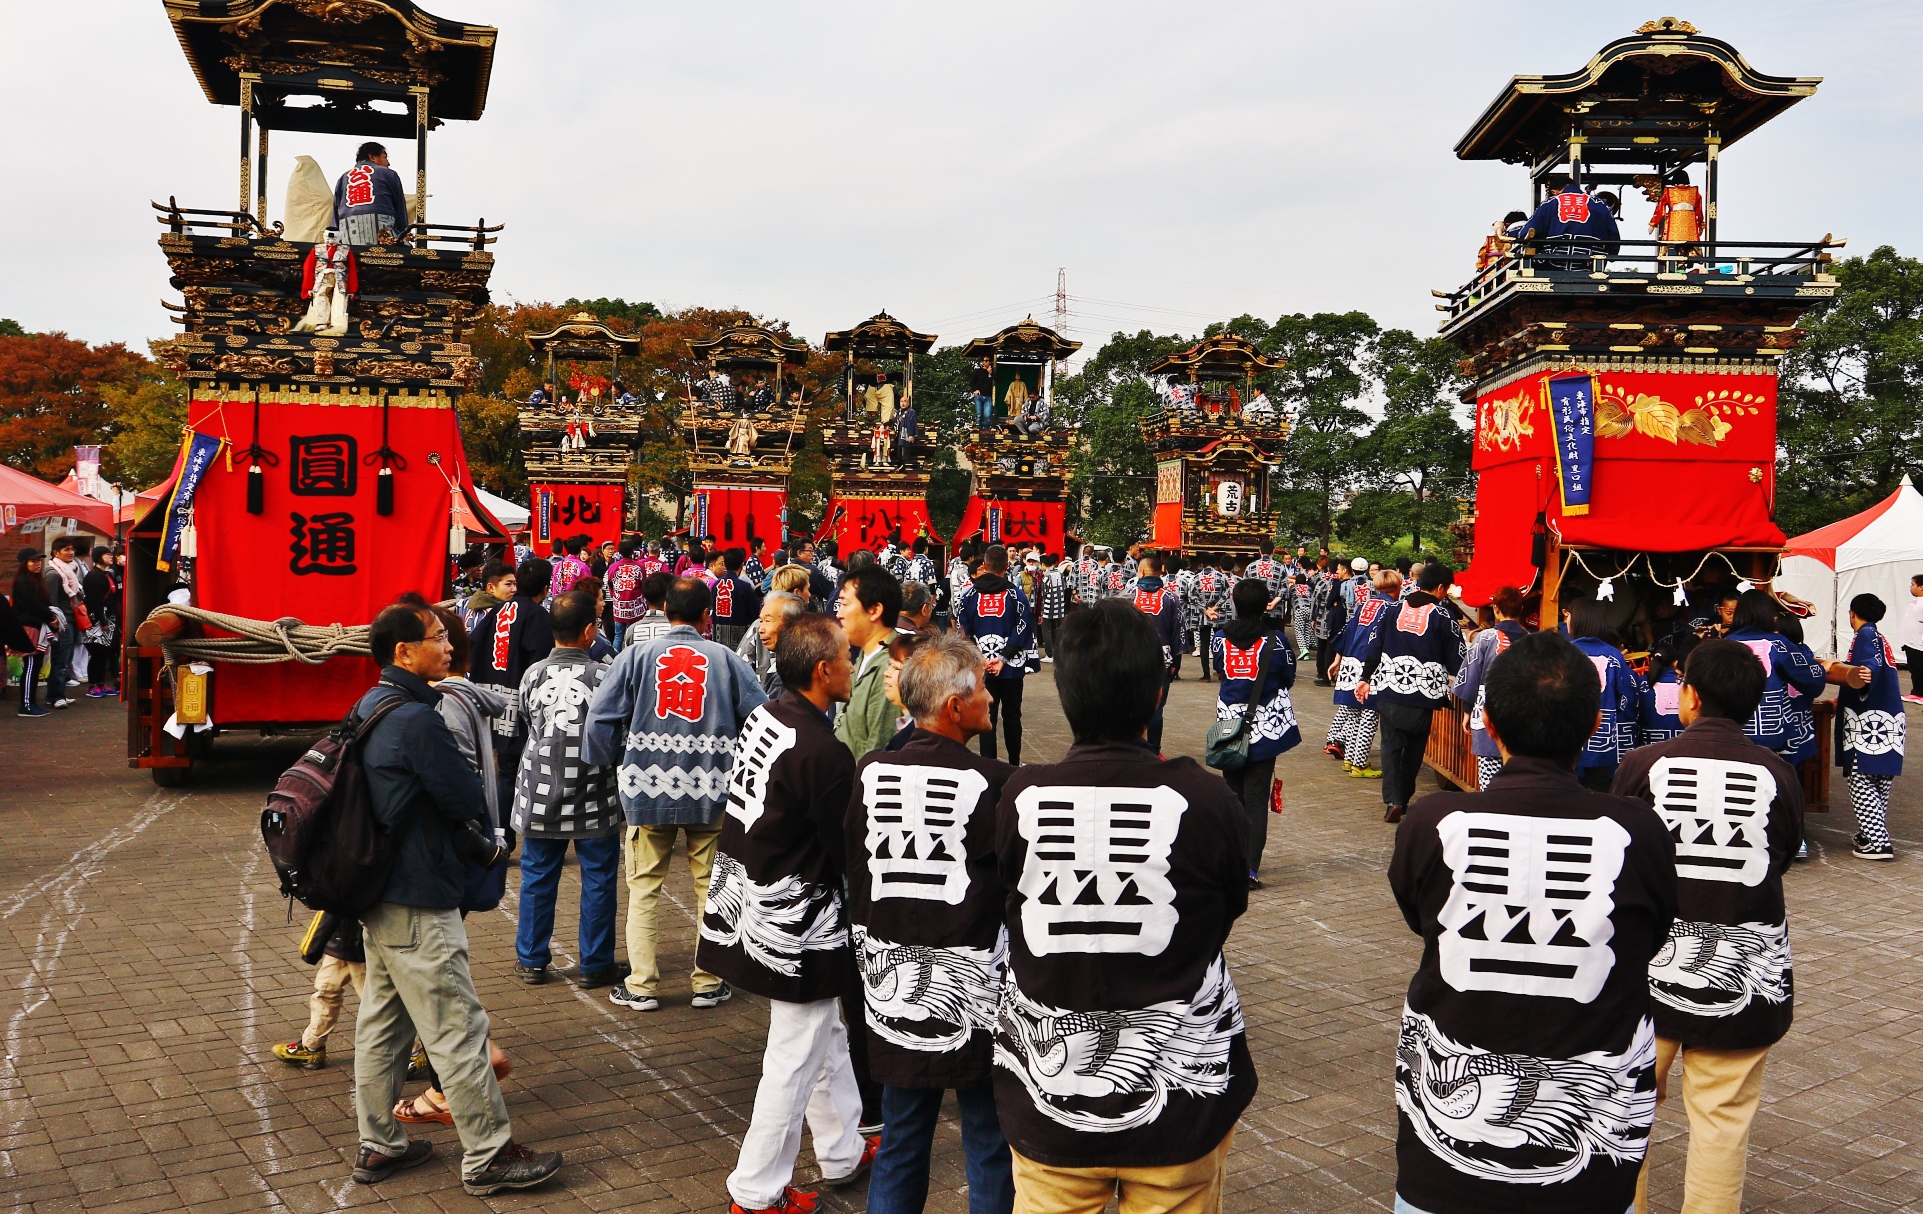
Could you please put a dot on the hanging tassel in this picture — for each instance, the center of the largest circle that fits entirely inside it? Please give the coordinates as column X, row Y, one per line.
column 1745, row 586
column 1682, row 595
column 456, row 533
column 256, row 490
column 189, row 538
column 1607, row 590
column 384, row 492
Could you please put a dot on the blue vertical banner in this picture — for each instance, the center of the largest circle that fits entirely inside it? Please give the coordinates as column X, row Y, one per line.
column 543, row 505
column 700, row 516
column 1572, row 419
column 197, row 454
column 994, row 524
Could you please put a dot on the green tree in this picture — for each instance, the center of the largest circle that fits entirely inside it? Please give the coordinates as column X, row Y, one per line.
column 941, row 406
column 1418, row 448
column 630, row 315
column 1322, row 383
column 149, row 410
column 1113, row 482
column 1850, row 404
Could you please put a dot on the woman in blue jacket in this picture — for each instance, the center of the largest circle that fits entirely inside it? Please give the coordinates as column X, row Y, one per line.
column 1661, row 716
column 1239, row 650
column 1622, row 695
column 1870, row 730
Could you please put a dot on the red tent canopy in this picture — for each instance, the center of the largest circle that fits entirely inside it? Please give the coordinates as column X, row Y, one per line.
column 30, row 497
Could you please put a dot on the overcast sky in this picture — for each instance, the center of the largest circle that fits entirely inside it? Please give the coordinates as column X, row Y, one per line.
column 817, row 162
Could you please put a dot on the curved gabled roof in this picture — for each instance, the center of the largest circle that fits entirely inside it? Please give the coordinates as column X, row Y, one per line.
column 1666, row 69
column 750, row 345
column 1225, row 354
column 347, row 51
column 880, row 336
column 582, row 330
column 1024, row 339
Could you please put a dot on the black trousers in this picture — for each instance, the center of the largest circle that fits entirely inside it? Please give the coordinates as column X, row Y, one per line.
column 1914, row 659
column 1155, row 725
column 1004, row 705
column 1405, row 735
column 1250, row 784
column 1324, row 654
column 102, row 668
column 1045, row 629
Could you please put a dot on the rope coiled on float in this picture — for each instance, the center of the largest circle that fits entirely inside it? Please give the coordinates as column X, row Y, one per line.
column 261, row 642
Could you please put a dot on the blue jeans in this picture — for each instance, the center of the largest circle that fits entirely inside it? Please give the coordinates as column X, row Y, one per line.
column 60, row 663
column 541, row 880
column 899, row 1184
column 984, row 411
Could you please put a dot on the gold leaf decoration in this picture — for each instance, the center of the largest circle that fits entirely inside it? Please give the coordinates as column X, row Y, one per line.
column 1612, row 420
column 1698, row 427
column 1656, row 418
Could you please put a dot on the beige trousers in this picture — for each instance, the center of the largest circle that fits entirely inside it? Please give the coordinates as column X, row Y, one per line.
column 1720, row 1091
column 649, row 849
column 1189, row 1188
column 331, row 977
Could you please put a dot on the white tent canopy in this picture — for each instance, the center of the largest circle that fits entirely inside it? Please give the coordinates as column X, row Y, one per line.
column 1875, row 552
column 509, row 515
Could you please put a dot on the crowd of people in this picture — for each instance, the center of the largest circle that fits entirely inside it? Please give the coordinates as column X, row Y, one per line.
column 62, row 622
column 838, row 747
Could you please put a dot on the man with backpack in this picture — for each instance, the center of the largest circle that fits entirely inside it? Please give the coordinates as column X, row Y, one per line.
column 417, row 980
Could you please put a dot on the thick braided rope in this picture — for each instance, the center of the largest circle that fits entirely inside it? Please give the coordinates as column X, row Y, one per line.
column 262, row 642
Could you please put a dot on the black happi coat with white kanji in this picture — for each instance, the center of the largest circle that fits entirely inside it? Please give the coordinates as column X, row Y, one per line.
column 1525, row 1063
column 1120, row 1041
column 1735, row 812
column 926, row 902
column 774, row 923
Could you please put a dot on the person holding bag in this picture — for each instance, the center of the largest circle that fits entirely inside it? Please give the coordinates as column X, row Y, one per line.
column 1255, row 719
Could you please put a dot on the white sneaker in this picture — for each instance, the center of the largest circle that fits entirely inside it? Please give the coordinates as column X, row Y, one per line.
column 62, row 702
column 1048, row 659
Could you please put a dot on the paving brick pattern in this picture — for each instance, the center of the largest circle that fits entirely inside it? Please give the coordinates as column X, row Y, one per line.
column 147, row 965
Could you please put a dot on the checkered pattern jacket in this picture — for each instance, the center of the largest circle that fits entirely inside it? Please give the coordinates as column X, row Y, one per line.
column 557, row 793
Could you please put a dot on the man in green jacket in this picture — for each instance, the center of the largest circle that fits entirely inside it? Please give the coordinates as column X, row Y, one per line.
column 869, row 603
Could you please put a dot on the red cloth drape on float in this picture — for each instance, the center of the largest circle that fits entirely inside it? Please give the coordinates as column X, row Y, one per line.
column 560, row 511
column 1683, row 461
column 1015, row 522
column 319, row 550
column 732, row 515
column 870, row 522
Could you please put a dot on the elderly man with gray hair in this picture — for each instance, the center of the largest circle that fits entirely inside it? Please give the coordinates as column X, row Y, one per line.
column 778, row 609
column 925, row 901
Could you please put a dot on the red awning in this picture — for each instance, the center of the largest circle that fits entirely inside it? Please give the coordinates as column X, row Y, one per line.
column 29, row 497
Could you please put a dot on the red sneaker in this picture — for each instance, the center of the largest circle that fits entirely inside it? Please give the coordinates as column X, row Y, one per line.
column 793, row 1201
column 870, row 1145
column 1333, row 748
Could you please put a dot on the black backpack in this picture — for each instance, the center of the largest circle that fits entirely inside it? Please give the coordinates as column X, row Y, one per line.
column 319, row 826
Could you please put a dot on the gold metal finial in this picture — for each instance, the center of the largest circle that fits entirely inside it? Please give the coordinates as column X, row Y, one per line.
column 1667, row 25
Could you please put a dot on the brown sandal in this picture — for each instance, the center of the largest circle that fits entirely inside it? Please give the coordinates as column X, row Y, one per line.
column 407, row 1110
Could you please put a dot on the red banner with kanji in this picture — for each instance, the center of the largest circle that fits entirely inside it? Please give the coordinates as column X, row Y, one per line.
column 561, row 511
column 732, row 516
column 1683, row 461
column 1014, row 523
column 320, row 550
column 870, row 522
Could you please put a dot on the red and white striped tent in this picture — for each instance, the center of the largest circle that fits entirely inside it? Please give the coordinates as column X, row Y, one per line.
column 1875, row 552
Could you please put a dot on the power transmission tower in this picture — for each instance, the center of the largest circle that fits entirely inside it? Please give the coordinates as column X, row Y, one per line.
column 1061, row 300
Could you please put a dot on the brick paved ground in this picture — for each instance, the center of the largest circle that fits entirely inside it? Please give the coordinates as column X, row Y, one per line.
column 147, row 966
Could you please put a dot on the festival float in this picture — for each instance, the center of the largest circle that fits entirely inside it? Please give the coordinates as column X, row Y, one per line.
column 577, row 444
column 878, row 485
column 1216, row 441
column 745, row 414
column 1625, row 399
column 321, row 473
column 1020, row 460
